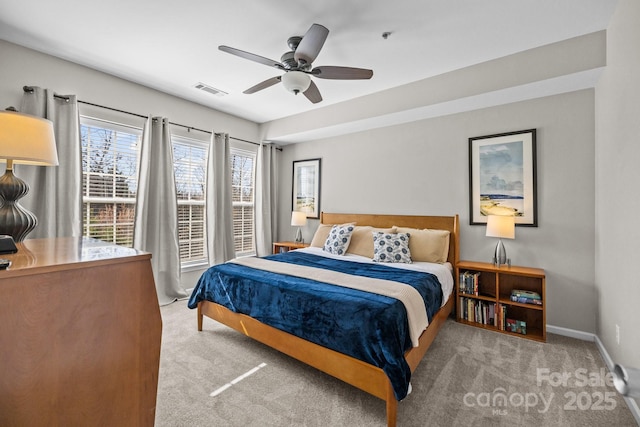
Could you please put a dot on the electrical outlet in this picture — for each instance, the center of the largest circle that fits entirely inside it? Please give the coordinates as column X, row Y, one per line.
column 617, row 334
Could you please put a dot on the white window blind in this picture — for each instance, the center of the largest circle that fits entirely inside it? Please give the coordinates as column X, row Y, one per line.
column 189, row 157
column 109, row 171
column 110, row 156
column 242, row 172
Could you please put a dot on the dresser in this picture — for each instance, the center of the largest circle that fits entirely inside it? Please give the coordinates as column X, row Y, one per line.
column 80, row 334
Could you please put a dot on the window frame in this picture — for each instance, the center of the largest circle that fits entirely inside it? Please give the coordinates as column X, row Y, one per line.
column 189, row 265
column 178, row 137
column 252, row 204
column 87, row 199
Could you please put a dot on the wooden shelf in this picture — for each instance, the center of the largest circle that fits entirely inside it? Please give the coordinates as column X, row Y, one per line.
column 507, row 301
column 494, row 286
column 479, row 297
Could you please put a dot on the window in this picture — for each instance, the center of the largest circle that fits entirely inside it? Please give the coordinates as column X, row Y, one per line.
column 190, row 161
column 109, row 184
column 110, row 156
column 242, row 167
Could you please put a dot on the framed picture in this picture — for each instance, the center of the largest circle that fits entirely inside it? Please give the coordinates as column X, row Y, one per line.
column 502, row 177
column 306, row 187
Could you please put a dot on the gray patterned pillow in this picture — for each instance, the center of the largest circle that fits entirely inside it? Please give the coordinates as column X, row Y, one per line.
column 391, row 247
column 339, row 239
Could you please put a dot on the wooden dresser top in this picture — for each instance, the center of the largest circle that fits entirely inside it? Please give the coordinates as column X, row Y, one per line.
column 36, row 256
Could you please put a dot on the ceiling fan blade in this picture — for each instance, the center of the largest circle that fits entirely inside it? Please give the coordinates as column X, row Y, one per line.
column 263, row 85
column 251, row 57
column 313, row 94
column 342, row 73
column 311, row 44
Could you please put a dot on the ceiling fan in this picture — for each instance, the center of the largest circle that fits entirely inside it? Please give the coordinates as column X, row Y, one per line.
column 297, row 64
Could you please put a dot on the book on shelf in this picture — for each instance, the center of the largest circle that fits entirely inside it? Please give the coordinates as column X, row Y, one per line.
column 469, row 281
column 519, row 293
column 487, row 313
column 525, row 300
column 477, row 311
column 521, row 327
column 517, row 326
column 501, row 316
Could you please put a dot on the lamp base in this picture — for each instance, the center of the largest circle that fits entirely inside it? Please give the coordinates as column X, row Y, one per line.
column 500, row 256
column 15, row 220
column 299, row 236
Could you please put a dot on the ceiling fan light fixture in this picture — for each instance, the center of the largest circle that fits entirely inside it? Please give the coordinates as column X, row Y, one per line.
column 296, row 81
column 297, row 65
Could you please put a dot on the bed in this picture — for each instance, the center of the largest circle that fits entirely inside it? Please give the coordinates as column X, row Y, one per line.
column 385, row 379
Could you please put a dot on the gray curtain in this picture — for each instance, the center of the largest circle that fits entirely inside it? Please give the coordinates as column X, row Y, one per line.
column 266, row 198
column 156, row 216
column 219, row 204
column 55, row 195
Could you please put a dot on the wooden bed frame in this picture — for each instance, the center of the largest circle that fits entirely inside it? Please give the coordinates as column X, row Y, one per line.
column 360, row 374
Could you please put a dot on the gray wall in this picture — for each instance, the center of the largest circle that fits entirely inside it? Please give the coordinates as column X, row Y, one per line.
column 20, row 66
column 428, row 162
column 617, row 188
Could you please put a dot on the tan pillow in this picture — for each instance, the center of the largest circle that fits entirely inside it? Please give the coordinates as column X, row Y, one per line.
column 321, row 235
column 362, row 240
column 427, row 245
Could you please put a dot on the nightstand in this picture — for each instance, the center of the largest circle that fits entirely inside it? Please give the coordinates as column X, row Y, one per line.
column 287, row 246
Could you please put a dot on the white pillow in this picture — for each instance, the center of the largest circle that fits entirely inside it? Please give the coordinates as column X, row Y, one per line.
column 391, row 247
column 339, row 239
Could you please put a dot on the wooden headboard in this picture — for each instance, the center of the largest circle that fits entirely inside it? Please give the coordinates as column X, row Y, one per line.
column 450, row 223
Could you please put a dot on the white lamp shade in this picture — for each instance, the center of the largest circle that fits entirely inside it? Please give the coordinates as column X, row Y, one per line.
column 501, row 226
column 296, row 81
column 298, row 219
column 27, row 139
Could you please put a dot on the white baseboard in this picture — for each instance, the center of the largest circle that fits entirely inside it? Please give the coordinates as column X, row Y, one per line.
column 586, row 336
column 572, row 333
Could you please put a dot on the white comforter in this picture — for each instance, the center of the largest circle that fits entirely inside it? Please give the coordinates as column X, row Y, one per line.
column 444, row 272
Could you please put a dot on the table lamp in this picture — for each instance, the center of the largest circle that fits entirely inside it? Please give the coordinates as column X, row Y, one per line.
column 27, row 140
column 298, row 219
column 502, row 227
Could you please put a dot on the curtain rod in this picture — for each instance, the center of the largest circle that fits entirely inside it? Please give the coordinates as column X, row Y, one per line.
column 30, row 89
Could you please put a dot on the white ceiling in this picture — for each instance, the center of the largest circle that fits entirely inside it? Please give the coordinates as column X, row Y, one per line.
column 173, row 45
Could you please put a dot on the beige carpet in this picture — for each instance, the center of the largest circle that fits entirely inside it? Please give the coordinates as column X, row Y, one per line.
column 469, row 377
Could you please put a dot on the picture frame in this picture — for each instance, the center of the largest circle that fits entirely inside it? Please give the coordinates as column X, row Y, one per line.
column 502, row 177
column 306, row 187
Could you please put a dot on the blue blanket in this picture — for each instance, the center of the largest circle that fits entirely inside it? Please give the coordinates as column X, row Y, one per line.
column 367, row 326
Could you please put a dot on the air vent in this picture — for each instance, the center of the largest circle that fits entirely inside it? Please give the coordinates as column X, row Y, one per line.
column 210, row 89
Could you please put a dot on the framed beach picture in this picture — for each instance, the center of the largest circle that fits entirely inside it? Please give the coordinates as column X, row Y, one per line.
column 502, row 177
column 306, row 187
